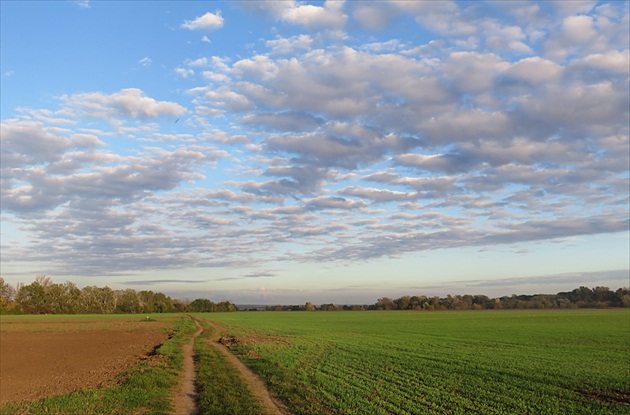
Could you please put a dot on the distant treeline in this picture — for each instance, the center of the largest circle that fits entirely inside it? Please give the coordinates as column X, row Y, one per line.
column 583, row 297
column 45, row 297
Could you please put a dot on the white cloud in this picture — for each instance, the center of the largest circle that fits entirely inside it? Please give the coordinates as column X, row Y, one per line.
column 28, row 142
column 293, row 44
column 443, row 17
column 146, row 61
column 198, row 62
column 500, row 36
column 535, row 70
column 374, row 15
column 578, row 29
column 571, row 7
column 462, row 141
column 209, row 21
column 613, row 61
column 215, row 77
column 474, row 72
column 259, row 66
column 128, row 103
column 329, row 202
column 331, row 15
column 377, row 195
column 84, row 4
column 86, row 140
column 184, row 72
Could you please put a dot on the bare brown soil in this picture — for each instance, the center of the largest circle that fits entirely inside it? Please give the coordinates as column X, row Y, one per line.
column 41, row 359
column 617, row 397
column 258, row 388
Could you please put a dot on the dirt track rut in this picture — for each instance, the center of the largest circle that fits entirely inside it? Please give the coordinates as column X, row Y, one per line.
column 256, row 385
column 186, row 401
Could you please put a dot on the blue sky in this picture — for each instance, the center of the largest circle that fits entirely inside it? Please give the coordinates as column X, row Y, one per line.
column 283, row 152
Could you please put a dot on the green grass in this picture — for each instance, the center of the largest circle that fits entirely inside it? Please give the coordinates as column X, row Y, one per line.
column 221, row 390
column 498, row 362
column 145, row 389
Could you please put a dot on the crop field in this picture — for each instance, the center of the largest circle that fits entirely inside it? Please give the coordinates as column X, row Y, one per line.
column 371, row 362
column 43, row 356
column 495, row 362
column 120, row 365
column 88, row 364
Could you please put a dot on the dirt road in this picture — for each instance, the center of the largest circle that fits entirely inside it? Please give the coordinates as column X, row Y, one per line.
column 256, row 385
column 186, row 401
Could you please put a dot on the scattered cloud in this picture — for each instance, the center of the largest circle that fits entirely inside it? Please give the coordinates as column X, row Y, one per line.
column 373, row 15
column 129, row 103
column 84, row 4
column 146, row 61
column 311, row 16
column 492, row 129
column 206, row 22
column 184, row 72
column 261, row 274
column 293, row 44
column 166, row 281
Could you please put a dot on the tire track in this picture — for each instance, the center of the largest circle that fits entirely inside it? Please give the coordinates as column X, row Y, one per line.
column 258, row 388
column 186, row 400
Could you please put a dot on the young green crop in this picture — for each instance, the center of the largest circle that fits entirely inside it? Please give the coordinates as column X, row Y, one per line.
column 543, row 362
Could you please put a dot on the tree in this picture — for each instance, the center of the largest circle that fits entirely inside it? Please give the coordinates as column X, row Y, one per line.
column 201, row 305
column 225, row 306
column 415, row 302
column 98, row 300
column 623, row 295
column 32, row 298
column 128, row 302
column 43, row 280
column 385, row 303
column 180, row 306
column 43, row 296
column 309, row 306
column 402, row 303
column 162, row 303
column 63, row 298
column 146, row 299
column 7, row 296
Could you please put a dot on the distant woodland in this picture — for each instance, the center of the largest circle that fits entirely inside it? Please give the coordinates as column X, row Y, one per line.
column 43, row 296
column 583, row 297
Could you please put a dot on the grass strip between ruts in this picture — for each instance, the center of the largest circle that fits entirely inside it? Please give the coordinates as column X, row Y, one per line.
column 145, row 389
column 220, row 388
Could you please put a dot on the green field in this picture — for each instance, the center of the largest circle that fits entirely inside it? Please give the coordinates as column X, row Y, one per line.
column 495, row 362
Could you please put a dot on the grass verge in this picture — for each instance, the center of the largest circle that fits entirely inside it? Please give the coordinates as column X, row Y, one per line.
column 146, row 389
column 220, row 388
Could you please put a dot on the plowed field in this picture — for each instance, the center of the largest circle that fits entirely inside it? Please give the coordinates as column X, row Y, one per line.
column 40, row 359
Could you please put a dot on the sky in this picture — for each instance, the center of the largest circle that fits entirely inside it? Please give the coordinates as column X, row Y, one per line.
column 282, row 152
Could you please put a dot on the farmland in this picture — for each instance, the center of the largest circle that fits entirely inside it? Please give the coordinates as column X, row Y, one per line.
column 118, row 364
column 369, row 362
column 90, row 364
column 75, row 352
column 547, row 362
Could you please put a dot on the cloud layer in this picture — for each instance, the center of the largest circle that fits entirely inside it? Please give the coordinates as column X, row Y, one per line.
column 325, row 145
